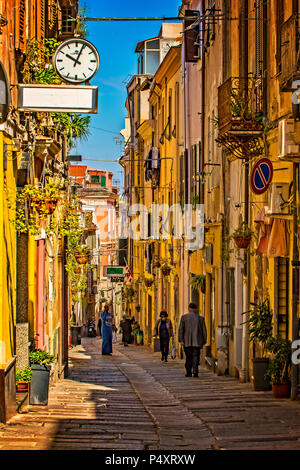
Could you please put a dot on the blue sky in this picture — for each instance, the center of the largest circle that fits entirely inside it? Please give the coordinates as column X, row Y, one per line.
column 116, row 42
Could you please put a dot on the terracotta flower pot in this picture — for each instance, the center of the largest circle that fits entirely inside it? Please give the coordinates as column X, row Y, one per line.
column 77, row 270
column 74, row 291
column 22, row 387
column 281, row 390
column 81, row 259
column 242, row 242
column 47, row 205
column 166, row 271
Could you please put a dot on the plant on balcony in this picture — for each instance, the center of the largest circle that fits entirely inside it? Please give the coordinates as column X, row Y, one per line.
column 279, row 366
column 38, row 66
column 198, row 281
column 34, row 204
column 23, row 378
column 242, row 235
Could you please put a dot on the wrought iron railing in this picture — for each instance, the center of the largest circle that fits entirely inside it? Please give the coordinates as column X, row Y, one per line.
column 240, row 105
column 290, row 51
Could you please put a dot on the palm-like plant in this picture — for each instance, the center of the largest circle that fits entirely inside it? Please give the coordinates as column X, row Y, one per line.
column 74, row 126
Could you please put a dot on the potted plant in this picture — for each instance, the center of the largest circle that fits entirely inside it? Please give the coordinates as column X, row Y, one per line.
column 279, row 366
column 46, row 199
column 40, row 362
column 23, row 379
column 242, row 235
column 260, row 331
column 129, row 293
column 165, row 268
column 198, row 281
column 81, row 254
column 148, row 281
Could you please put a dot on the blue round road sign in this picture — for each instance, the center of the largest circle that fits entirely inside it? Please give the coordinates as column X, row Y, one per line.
column 261, row 175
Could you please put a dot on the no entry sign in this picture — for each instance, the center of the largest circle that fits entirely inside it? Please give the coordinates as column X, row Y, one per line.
column 261, row 175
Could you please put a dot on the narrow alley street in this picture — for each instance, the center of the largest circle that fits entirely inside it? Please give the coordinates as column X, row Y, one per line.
column 133, row 401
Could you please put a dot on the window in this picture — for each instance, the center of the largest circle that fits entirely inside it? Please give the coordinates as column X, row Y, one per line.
column 95, row 179
column 152, row 56
column 103, row 181
column 67, row 26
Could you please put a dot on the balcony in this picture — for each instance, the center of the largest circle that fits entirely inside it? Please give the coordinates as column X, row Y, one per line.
column 290, row 54
column 240, row 117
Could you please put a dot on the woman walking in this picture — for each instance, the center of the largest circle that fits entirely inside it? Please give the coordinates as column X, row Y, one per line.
column 107, row 330
column 164, row 329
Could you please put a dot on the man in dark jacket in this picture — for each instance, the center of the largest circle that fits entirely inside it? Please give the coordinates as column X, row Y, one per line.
column 126, row 330
column 192, row 335
column 164, row 329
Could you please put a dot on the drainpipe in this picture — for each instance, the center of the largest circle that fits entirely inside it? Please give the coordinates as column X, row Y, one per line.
column 295, row 281
column 246, row 287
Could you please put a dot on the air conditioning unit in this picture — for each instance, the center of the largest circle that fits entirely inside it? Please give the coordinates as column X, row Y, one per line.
column 278, row 203
column 288, row 149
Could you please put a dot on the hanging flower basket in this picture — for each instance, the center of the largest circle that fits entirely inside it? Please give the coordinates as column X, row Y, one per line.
column 148, row 282
column 242, row 235
column 166, row 271
column 242, row 242
column 46, row 205
column 81, row 258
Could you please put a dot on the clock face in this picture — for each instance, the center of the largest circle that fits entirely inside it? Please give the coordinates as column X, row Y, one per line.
column 76, row 60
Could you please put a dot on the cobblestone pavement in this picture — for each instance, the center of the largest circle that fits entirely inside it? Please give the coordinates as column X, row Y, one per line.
column 133, row 401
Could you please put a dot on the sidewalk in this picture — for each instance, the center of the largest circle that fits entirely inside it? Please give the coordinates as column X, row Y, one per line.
column 133, row 401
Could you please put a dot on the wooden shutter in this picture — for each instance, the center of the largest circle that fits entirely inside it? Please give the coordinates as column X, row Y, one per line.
column 20, row 26
column 191, row 37
column 41, row 19
column 186, row 175
column 52, row 18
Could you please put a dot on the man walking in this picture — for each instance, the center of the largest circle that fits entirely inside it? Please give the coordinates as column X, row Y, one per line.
column 192, row 335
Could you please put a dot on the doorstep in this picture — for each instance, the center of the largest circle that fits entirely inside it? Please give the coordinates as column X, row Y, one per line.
column 22, row 401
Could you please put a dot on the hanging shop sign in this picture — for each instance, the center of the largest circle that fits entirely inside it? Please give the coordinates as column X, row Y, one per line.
column 76, row 60
column 261, row 175
column 4, row 95
column 109, row 271
column 58, row 98
column 116, row 279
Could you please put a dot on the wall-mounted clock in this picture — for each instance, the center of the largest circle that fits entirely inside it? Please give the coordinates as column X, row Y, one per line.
column 76, row 60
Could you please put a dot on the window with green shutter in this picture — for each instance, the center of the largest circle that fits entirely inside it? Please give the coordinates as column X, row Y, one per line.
column 103, row 181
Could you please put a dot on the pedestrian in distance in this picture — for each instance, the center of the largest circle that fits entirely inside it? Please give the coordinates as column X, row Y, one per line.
column 107, row 321
column 164, row 329
column 99, row 326
column 192, row 335
column 126, row 328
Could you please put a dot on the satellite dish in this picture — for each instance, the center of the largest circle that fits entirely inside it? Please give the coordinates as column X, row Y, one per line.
column 4, row 95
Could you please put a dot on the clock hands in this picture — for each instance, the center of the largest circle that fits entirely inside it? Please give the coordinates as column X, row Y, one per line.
column 75, row 60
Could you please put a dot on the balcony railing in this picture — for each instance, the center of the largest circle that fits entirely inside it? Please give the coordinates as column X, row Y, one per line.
column 240, row 105
column 290, row 54
column 240, row 116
